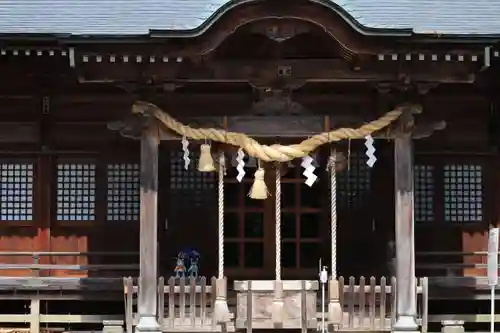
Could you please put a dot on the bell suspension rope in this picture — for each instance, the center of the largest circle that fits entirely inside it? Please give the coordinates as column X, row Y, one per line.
column 333, row 213
column 278, row 222
column 221, row 215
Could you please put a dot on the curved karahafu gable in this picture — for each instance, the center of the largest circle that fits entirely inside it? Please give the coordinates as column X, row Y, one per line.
column 139, row 17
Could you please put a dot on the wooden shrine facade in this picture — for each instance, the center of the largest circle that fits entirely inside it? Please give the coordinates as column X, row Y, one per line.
column 71, row 159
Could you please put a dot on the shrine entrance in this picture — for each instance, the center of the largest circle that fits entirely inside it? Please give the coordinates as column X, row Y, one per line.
column 249, row 228
column 365, row 213
column 250, row 225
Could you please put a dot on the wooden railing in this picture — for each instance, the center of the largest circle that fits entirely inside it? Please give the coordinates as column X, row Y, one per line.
column 35, row 267
column 187, row 305
column 449, row 280
column 35, row 317
column 473, row 295
column 183, row 304
column 371, row 306
column 36, row 291
column 450, row 263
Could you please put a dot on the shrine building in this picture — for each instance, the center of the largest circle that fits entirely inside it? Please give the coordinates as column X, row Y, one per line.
column 193, row 165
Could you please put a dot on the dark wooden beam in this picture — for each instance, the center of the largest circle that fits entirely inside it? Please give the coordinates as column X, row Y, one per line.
column 270, row 72
column 75, row 96
column 421, row 131
column 98, row 106
column 19, row 114
column 19, row 132
column 109, row 107
column 234, row 101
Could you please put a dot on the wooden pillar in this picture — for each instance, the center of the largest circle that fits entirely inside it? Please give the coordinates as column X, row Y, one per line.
column 148, row 278
column 405, row 239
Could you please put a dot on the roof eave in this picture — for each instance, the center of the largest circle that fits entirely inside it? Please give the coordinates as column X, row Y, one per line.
column 349, row 19
column 160, row 34
column 431, row 37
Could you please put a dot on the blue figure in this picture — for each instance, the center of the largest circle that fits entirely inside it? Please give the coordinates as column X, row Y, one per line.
column 190, row 256
column 194, row 263
column 180, row 267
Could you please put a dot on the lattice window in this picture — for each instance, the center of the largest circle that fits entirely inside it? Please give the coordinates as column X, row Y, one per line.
column 123, row 202
column 353, row 183
column 190, row 187
column 424, row 193
column 16, row 190
column 463, row 193
column 76, row 192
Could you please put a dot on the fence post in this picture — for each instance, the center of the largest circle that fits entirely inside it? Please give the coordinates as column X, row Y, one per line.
column 129, row 297
column 304, row 319
column 161, row 300
column 35, row 315
column 425, row 304
column 383, row 302
column 334, row 306
column 36, row 260
column 249, row 307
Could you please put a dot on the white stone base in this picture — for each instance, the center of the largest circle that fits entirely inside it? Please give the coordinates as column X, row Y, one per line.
column 405, row 324
column 148, row 324
column 452, row 326
column 262, row 295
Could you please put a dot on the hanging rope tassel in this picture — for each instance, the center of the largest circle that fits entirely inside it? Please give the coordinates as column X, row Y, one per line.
column 206, row 162
column 259, row 188
column 277, row 307
column 221, row 310
column 334, row 309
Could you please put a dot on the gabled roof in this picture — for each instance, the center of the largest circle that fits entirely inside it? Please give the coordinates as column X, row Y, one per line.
column 138, row 17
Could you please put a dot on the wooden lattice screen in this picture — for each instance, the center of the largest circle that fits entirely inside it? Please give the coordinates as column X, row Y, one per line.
column 456, row 190
column 123, row 203
column 16, row 189
column 190, row 187
column 76, row 191
column 354, row 183
column 424, row 192
column 463, row 193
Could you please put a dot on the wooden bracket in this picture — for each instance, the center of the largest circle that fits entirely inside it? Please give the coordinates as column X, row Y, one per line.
column 132, row 126
column 406, row 126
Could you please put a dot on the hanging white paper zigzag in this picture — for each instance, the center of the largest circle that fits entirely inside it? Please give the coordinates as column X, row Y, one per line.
column 370, row 151
column 307, row 164
column 185, row 149
column 241, row 165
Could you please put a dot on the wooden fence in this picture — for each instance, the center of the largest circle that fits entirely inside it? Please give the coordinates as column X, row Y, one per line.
column 187, row 304
column 183, row 305
column 369, row 306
